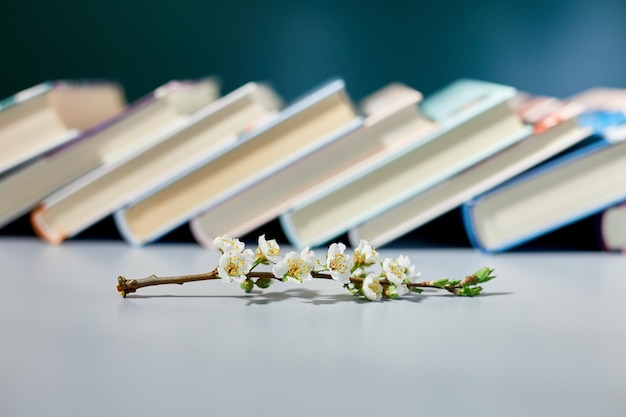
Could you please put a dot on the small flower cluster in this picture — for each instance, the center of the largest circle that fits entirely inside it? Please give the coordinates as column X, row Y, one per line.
column 363, row 273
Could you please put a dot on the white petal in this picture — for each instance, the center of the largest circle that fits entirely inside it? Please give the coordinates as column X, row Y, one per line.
column 280, row 269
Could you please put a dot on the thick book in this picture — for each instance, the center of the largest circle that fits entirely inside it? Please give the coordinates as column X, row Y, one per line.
column 555, row 128
column 474, row 120
column 165, row 108
column 297, row 130
column 51, row 114
column 391, row 120
column 612, row 228
column 113, row 185
column 562, row 191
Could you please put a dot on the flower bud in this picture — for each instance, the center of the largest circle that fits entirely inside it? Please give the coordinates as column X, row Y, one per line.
column 263, row 282
column 247, row 285
column 391, row 291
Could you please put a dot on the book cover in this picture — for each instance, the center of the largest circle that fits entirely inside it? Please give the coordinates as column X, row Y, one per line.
column 295, row 131
column 565, row 189
column 48, row 115
column 554, row 129
column 474, row 120
column 23, row 188
column 109, row 187
column 391, row 120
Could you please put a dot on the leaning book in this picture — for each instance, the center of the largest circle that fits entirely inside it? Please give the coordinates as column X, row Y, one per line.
column 473, row 121
column 576, row 185
column 391, row 120
column 555, row 128
column 296, row 130
column 22, row 189
column 48, row 115
column 113, row 185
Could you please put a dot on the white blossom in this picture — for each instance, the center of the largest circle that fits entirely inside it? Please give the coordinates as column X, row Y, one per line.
column 371, row 289
column 365, row 254
column 294, row 267
column 409, row 269
column 338, row 263
column 234, row 265
column 393, row 271
column 268, row 250
column 227, row 244
column 309, row 257
column 411, row 275
column 399, row 271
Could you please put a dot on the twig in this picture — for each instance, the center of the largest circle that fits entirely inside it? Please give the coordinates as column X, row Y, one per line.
column 127, row 286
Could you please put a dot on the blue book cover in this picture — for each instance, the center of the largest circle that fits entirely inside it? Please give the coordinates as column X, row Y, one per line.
column 487, row 230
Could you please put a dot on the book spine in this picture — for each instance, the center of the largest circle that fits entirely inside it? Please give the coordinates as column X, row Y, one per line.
column 600, row 231
column 199, row 234
column 354, row 237
column 41, row 228
column 469, row 221
column 290, row 231
column 124, row 229
column 602, row 228
column 470, row 226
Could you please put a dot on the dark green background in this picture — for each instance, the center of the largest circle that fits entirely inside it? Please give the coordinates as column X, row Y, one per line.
column 546, row 47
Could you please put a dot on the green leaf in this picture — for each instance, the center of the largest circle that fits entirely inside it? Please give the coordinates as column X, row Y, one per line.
column 488, row 278
column 469, row 291
column 441, row 283
column 417, row 290
column 484, row 274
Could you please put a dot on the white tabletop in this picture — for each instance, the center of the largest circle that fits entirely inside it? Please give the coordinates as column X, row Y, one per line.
column 548, row 338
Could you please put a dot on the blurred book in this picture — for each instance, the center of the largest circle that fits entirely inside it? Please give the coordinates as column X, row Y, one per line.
column 165, row 108
column 554, row 129
column 110, row 187
column 562, row 191
column 612, row 229
column 297, row 130
column 474, row 120
column 391, row 121
column 51, row 114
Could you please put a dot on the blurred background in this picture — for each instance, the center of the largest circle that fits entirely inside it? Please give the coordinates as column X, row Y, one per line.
column 541, row 46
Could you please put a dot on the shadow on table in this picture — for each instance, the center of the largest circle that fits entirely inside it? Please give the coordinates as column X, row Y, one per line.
column 258, row 297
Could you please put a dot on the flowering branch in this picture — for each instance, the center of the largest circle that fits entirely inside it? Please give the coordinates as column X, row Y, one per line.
column 395, row 278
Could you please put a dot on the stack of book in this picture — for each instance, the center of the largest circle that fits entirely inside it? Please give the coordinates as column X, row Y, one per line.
column 516, row 165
